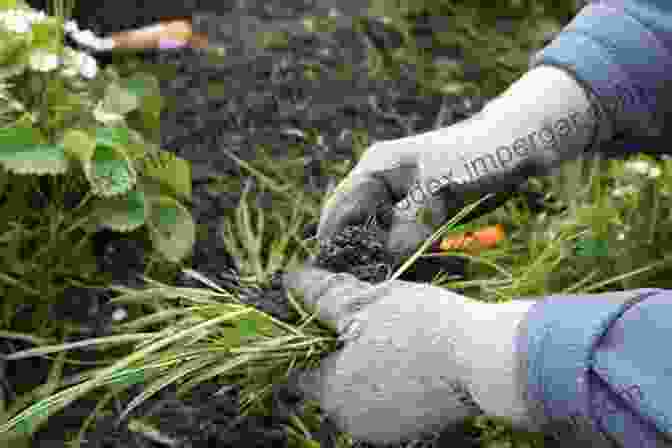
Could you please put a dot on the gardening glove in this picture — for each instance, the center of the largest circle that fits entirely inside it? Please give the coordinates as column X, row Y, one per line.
column 415, row 183
column 415, row 357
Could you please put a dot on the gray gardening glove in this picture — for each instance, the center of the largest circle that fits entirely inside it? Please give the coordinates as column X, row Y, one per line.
column 416, row 357
column 417, row 182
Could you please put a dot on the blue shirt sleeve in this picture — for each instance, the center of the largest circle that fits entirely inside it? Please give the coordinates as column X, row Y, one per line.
column 599, row 362
column 621, row 50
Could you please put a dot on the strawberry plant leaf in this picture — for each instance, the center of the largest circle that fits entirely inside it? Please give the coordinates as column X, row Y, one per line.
column 171, row 171
column 109, row 172
column 44, row 35
column 138, row 147
column 113, row 136
column 23, row 151
column 172, row 228
column 146, row 88
column 79, row 145
column 122, row 214
column 119, row 100
column 141, row 84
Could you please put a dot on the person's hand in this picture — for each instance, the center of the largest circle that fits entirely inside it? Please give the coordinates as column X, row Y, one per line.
column 414, row 356
column 415, row 183
column 411, row 185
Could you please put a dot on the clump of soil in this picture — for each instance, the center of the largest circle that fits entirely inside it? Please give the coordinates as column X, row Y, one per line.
column 358, row 250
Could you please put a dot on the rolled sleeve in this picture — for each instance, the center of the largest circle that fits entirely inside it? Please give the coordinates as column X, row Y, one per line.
column 597, row 359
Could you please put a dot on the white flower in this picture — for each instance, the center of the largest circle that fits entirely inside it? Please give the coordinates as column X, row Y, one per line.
column 86, row 37
column 43, row 61
column 19, row 21
column 35, row 17
column 639, row 166
column 15, row 21
column 654, row 172
column 71, row 26
column 78, row 63
column 88, row 67
column 620, row 236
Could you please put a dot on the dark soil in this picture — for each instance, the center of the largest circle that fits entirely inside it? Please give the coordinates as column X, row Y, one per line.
column 265, row 93
column 358, row 250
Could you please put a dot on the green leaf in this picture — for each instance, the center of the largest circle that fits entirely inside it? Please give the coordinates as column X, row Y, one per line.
column 122, row 214
column 170, row 171
column 7, row 4
column 591, row 248
column 110, row 172
column 119, row 100
column 247, row 327
column 141, row 84
column 115, row 136
column 44, row 35
column 252, row 326
column 79, row 145
column 23, row 151
column 172, row 228
column 146, row 88
column 138, row 147
column 127, row 377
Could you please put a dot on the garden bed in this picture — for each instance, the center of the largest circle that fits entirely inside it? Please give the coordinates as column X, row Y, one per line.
column 268, row 132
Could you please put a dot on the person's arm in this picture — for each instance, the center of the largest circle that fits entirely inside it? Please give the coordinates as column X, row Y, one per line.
column 596, row 365
column 621, row 51
column 602, row 367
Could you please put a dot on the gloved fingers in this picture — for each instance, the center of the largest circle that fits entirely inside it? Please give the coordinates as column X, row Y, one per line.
column 382, row 177
column 351, row 203
column 334, row 296
column 306, row 382
column 415, row 218
column 412, row 220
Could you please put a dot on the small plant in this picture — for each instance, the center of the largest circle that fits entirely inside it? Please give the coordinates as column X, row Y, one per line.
column 264, row 242
column 62, row 116
column 206, row 333
column 209, row 334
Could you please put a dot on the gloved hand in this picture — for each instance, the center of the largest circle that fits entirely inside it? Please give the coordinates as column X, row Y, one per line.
column 417, row 182
column 415, row 357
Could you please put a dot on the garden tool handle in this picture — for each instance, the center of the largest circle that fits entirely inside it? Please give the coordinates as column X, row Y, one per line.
column 167, row 34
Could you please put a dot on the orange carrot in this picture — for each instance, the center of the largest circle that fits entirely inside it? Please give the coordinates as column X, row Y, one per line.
column 484, row 238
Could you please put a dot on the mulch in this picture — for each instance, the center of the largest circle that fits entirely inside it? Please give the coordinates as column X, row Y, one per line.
column 264, row 93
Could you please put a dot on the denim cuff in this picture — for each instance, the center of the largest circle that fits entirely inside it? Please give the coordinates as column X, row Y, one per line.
column 555, row 346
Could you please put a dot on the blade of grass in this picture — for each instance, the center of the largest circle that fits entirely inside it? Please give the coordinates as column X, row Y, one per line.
column 119, row 339
column 154, row 387
column 474, row 258
column 630, row 274
column 60, row 400
column 437, row 234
